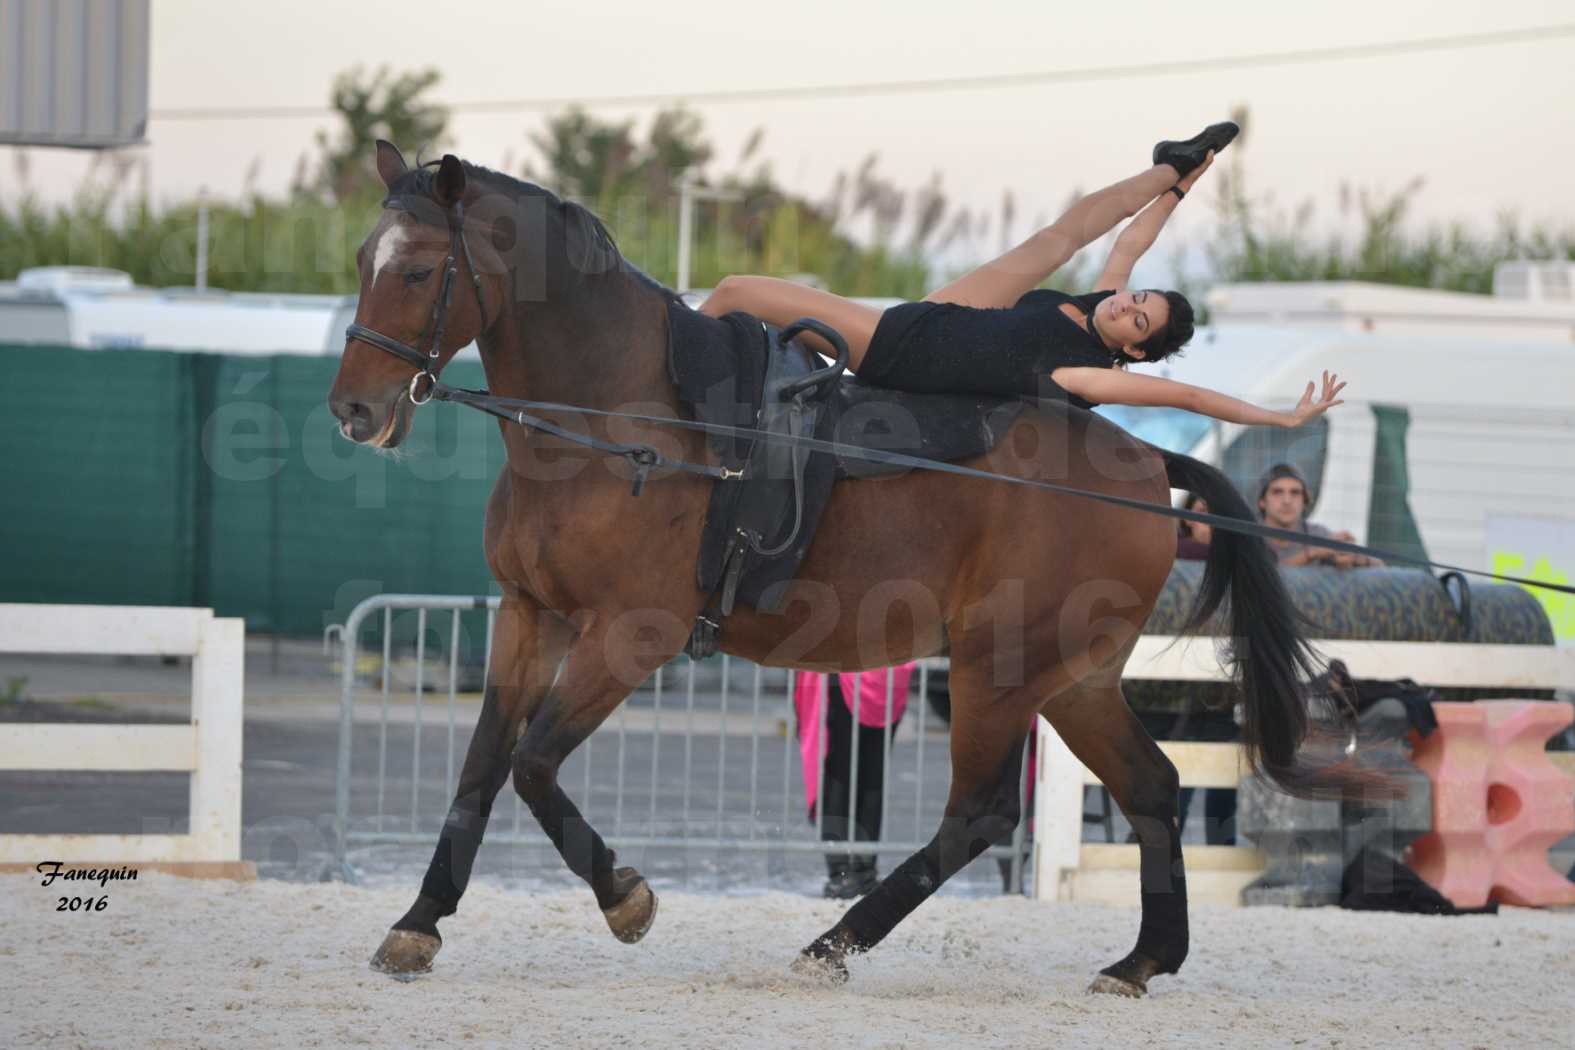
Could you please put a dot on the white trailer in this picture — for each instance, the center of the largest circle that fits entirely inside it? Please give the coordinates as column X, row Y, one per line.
column 96, row 309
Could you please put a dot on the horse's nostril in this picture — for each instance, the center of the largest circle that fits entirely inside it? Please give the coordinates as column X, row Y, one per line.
column 351, row 412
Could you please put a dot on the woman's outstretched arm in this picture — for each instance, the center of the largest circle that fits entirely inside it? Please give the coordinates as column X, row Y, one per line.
column 1108, row 386
column 1141, row 232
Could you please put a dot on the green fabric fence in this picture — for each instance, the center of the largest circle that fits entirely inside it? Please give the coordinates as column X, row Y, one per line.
column 155, row 478
column 1390, row 524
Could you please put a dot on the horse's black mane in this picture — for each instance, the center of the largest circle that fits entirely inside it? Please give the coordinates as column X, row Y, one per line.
column 418, row 180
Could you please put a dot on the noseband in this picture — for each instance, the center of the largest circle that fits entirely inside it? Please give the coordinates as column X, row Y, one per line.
column 438, row 325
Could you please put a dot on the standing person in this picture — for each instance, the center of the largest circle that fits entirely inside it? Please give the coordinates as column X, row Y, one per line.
column 856, row 708
column 1284, row 501
column 994, row 331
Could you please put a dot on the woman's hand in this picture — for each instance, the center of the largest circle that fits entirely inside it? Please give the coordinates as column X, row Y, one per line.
column 1307, row 408
column 1185, row 185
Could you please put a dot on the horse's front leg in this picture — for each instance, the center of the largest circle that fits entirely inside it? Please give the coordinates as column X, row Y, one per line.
column 528, row 644
column 602, row 670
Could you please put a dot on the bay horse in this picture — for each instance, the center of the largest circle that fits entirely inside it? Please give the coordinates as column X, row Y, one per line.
column 1037, row 597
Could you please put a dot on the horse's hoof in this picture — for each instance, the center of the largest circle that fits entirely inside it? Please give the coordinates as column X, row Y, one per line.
column 405, row 953
column 824, row 969
column 631, row 918
column 826, row 959
column 1105, row 984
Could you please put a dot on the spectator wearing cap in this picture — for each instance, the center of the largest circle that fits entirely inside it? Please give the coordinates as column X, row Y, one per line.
column 1284, row 501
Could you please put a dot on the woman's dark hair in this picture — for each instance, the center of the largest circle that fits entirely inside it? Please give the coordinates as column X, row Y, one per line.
column 1174, row 335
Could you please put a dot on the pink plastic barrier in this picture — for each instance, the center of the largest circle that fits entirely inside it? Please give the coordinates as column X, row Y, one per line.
column 1498, row 804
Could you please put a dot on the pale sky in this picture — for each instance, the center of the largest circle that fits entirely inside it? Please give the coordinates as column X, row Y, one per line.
column 1492, row 129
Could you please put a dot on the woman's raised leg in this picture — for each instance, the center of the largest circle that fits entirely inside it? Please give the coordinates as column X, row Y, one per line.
column 1004, row 280
column 780, row 302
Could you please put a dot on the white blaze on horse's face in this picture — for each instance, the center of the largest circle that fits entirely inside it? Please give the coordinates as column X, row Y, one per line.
column 389, row 243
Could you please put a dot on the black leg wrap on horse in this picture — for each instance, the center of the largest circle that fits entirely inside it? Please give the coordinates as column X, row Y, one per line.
column 578, row 843
column 960, row 841
column 964, row 835
column 1162, row 936
column 449, row 873
column 873, row 917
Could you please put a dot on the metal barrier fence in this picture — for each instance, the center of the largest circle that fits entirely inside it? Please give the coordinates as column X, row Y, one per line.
column 616, row 776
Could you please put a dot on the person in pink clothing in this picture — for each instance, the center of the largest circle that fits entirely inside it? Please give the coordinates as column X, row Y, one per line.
column 873, row 700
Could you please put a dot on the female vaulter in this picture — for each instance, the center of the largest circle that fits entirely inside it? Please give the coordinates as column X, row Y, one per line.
column 992, row 331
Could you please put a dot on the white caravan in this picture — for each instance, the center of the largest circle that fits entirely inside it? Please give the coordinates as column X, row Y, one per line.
column 98, row 309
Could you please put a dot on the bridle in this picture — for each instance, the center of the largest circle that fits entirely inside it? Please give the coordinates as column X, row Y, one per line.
column 438, row 325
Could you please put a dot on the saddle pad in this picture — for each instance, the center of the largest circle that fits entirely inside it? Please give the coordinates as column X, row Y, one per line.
column 944, row 427
column 719, row 368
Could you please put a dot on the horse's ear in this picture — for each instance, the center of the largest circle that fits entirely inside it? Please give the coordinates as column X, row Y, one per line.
column 390, row 165
column 449, row 186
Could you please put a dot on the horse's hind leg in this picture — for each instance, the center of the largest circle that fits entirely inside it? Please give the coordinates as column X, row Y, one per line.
column 982, row 810
column 527, row 646
column 1095, row 722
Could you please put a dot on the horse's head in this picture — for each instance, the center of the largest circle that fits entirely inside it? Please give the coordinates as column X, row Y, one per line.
column 426, row 291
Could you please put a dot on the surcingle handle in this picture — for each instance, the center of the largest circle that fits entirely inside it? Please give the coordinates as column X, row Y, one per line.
column 816, row 380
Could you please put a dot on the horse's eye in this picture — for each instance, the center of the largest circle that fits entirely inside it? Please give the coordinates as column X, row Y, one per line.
column 417, row 276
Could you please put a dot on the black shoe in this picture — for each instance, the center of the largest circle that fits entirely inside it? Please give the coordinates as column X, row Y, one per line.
column 1184, row 156
column 849, row 883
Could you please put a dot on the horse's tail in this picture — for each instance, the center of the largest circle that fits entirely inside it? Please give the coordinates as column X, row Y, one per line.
column 1271, row 660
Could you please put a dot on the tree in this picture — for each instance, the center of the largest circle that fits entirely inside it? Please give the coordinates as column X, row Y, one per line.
column 1256, row 242
column 380, row 106
column 599, row 161
column 633, row 182
column 586, row 158
column 675, row 144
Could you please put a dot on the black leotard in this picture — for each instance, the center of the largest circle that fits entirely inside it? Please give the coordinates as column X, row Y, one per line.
column 944, row 348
